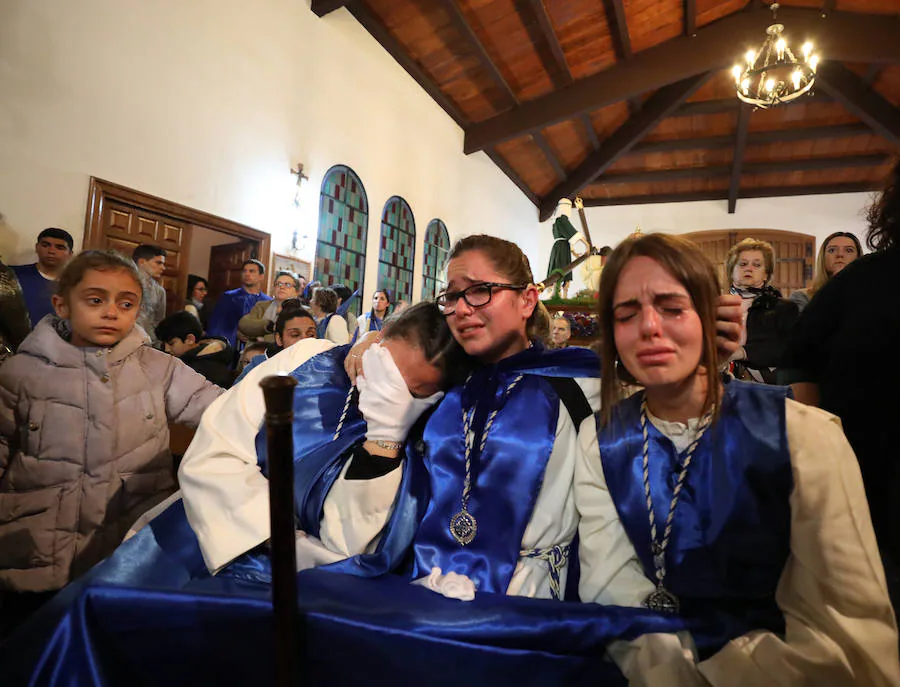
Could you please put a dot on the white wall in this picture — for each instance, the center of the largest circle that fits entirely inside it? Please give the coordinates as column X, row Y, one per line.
column 818, row 216
column 209, row 103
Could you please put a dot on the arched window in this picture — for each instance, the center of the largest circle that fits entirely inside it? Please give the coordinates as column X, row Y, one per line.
column 343, row 225
column 437, row 247
column 398, row 244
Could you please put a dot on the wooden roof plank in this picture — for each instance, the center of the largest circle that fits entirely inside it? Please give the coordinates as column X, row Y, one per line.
column 382, row 35
column 858, row 37
column 622, row 140
column 855, row 95
column 740, row 145
column 778, row 192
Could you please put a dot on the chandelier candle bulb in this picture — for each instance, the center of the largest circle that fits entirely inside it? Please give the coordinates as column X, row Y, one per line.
column 751, row 58
column 736, row 70
column 770, row 85
column 807, row 49
column 780, row 47
column 796, row 77
column 814, row 62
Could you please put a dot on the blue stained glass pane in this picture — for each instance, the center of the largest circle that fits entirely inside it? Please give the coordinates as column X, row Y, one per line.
column 397, row 248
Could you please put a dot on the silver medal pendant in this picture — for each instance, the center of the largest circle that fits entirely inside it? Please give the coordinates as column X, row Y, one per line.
column 463, row 527
column 662, row 600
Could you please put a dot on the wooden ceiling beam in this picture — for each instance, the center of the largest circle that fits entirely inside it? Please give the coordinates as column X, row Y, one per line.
column 539, row 11
column 380, row 33
column 737, row 161
column 690, row 17
column 323, row 7
column 591, row 132
column 776, row 192
column 757, row 138
column 462, row 27
column 622, row 140
column 844, row 36
column 705, row 107
column 618, row 31
column 855, row 94
column 541, row 142
column 808, row 165
column 872, row 73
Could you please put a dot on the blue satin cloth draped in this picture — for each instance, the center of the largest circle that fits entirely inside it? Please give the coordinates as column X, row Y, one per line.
column 152, row 615
column 513, row 463
column 731, row 537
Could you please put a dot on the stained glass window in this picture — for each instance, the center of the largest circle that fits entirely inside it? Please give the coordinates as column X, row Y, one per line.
column 343, row 224
column 437, row 247
column 397, row 253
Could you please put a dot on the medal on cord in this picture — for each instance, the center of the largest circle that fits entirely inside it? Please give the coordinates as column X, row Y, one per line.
column 463, row 525
column 661, row 599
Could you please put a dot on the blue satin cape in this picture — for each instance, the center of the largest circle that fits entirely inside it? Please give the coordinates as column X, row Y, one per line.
column 507, row 477
column 731, row 537
column 228, row 311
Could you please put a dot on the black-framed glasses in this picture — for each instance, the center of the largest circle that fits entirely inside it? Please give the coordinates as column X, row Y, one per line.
column 475, row 296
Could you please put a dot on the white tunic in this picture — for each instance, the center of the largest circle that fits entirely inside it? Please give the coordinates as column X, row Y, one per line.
column 356, row 510
column 840, row 628
column 226, row 496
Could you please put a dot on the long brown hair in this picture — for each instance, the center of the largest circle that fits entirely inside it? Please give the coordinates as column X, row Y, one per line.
column 509, row 260
column 684, row 260
column 884, row 214
column 821, row 278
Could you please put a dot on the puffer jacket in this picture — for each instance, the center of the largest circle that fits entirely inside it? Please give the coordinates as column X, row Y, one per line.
column 84, row 449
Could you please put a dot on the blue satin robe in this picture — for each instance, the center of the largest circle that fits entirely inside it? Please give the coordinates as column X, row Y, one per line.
column 228, row 311
column 731, row 537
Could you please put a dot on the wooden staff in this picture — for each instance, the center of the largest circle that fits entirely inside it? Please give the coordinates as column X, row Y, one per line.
column 278, row 392
column 579, row 204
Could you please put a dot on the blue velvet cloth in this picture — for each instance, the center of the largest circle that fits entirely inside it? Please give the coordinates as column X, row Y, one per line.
column 731, row 537
column 228, row 311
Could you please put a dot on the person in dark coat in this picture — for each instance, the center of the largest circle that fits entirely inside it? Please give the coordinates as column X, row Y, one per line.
column 768, row 318
column 182, row 336
column 14, row 322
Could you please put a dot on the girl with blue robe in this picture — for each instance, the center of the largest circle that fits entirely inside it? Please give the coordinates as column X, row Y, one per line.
column 373, row 320
column 760, row 534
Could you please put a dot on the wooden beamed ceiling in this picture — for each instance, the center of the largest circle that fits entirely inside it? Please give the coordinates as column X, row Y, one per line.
column 631, row 101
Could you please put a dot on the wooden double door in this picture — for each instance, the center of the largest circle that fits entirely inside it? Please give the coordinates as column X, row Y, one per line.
column 795, row 254
column 122, row 218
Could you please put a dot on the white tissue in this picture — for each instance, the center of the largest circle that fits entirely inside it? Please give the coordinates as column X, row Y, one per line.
column 451, row 585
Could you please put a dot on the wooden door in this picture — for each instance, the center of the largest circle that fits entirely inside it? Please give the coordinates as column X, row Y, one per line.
column 794, row 253
column 225, row 265
column 125, row 227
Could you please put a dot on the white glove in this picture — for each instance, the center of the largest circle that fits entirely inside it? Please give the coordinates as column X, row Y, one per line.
column 384, row 400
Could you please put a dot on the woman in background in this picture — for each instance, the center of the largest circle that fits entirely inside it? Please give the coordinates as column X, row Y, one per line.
column 837, row 251
column 195, row 304
column 768, row 317
column 374, row 319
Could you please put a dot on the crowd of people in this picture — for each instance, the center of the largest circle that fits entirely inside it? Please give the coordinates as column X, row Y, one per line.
column 728, row 529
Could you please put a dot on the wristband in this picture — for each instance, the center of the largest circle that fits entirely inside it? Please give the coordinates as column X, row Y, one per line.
column 388, row 445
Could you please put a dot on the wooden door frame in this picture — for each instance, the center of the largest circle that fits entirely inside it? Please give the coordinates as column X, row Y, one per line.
column 102, row 191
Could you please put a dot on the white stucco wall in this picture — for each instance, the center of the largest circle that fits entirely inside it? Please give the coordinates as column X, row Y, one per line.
column 209, row 103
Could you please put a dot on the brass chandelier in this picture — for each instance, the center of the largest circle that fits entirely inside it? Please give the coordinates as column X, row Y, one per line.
column 774, row 75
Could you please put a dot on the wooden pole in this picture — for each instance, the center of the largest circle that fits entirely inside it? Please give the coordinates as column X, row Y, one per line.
column 278, row 392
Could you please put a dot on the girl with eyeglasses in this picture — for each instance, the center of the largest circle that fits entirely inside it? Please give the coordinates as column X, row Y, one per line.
column 500, row 449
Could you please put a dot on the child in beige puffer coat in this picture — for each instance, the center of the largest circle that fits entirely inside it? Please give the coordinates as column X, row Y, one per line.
column 84, row 438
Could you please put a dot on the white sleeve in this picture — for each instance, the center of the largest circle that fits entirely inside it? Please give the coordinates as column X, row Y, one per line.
column 610, row 571
column 226, row 497
column 840, row 628
column 355, row 512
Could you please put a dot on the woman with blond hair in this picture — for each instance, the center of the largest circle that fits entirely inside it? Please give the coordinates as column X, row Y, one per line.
column 768, row 318
column 837, row 251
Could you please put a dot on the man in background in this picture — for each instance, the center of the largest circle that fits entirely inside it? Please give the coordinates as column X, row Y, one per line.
column 234, row 304
column 151, row 262
column 38, row 280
